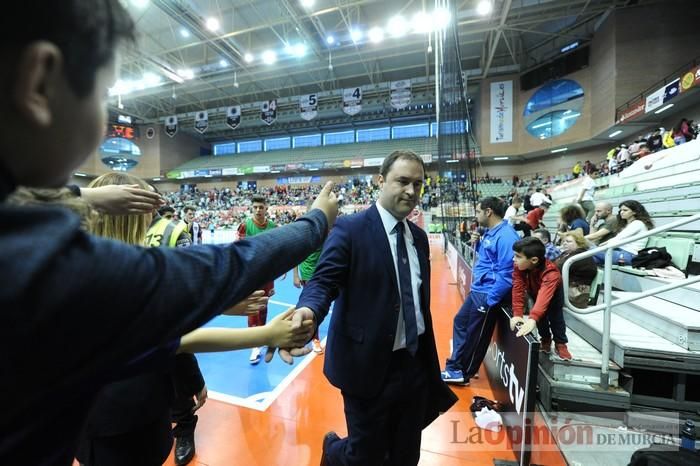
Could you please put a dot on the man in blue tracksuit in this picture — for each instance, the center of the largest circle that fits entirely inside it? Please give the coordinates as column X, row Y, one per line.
column 492, row 281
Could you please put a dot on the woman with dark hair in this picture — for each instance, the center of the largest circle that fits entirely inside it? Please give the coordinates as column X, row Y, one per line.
column 632, row 219
column 574, row 219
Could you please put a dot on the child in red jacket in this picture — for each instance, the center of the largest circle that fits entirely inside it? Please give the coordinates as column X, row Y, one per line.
column 540, row 278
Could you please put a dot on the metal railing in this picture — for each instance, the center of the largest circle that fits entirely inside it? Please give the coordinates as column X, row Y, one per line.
column 608, row 303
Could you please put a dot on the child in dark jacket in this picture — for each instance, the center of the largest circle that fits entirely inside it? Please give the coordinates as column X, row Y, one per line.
column 541, row 279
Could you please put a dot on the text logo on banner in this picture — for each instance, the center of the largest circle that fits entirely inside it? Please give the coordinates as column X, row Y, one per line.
column 308, row 105
column 171, row 125
column 201, row 121
column 654, row 100
column 400, row 94
column 233, row 116
column 352, row 100
column 269, row 111
column 501, row 112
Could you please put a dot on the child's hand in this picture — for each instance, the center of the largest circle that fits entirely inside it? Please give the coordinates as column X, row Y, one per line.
column 282, row 333
column 514, row 321
column 526, row 328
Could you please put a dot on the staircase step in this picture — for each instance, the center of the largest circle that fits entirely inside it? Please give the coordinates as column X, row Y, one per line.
column 632, row 344
column 688, row 296
column 674, row 322
column 562, row 392
column 583, row 368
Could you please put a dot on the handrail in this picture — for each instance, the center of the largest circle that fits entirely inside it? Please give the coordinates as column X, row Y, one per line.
column 607, row 280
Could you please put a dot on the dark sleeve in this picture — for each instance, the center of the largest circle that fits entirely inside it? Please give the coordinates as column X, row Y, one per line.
column 331, row 273
column 187, row 378
column 102, row 302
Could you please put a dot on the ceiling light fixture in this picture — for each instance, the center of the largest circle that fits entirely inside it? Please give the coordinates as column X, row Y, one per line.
column 612, row 135
column 184, row 33
column 376, row 35
column 269, row 57
column 330, row 40
column 484, row 7
column 307, row 3
column 212, row 24
column 223, row 63
column 355, row 35
column 663, row 109
column 563, row 149
column 500, row 158
column 397, row 27
column 235, row 79
column 248, row 57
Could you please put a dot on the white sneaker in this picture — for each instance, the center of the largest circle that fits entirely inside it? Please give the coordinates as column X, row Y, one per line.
column 317, row 346
column 255, row 356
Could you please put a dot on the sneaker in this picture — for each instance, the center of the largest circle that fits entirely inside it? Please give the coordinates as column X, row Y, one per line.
column 449, row 376
column 317, row 346
column 562, row 351
column 255, row 356
column 546, row 345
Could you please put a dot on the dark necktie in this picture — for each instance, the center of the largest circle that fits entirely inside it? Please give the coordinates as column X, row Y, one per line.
column 409, row 310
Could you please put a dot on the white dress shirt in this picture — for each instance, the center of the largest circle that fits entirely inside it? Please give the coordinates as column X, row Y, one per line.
column 389, row 222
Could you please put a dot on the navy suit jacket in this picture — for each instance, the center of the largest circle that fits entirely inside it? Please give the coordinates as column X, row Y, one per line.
column 356, row 271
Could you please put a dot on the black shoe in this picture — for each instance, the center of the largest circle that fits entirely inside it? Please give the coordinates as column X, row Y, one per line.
column 184, row 449
column 329, row 438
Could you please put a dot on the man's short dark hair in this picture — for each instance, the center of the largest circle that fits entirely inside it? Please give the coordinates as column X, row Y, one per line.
column 544, row 232
column 190, row 208
column 496, row 204
column 258, row 199
column 86, row 31
column 166, row 209
column 399, row 154
column 530, row 247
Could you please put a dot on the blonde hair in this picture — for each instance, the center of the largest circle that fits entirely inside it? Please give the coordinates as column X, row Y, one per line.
column 130, row 229
column 62, row 197
column 578, row 238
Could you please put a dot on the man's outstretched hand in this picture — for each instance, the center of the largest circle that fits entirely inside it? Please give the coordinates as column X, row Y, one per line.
column 299, row 316
column 327, row 203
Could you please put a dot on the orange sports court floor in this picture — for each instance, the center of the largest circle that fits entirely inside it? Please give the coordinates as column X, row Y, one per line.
column 291, row 430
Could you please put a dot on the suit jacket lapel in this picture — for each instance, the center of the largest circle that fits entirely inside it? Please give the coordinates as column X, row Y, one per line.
column 383, row 250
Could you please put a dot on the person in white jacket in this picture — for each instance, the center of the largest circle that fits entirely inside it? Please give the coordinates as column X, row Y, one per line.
column 632, row 219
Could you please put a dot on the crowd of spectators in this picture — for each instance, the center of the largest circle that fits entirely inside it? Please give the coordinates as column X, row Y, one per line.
column 225, row 208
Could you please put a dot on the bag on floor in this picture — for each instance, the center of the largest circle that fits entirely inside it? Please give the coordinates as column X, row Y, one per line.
column 652, row 258
column 664, row 455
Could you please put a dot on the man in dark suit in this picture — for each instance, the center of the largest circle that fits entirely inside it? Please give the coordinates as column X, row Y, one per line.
column 381, row 349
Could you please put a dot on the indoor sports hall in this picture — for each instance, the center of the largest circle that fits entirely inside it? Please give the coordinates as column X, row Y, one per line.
column 513, row 277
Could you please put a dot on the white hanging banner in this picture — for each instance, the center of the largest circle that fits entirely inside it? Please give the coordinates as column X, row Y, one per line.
column 171, row 125
column 308, row 105
column 501, row 112
column 400, row 93
column 233, row 116
column 268, row 112
column 201, row 121
column 352, row 100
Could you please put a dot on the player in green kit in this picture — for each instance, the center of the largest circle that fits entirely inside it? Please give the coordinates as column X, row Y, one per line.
column 258, row 223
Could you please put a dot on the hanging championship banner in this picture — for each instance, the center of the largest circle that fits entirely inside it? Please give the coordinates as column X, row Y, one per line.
column 201, row 121
column 352, row 100
column 233, row 116
column 269, row 111
column 308, row 105
column 400, row 93
column 171, row 125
